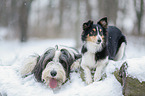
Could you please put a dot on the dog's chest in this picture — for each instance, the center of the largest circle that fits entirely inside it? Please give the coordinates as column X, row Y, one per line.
column 88, row 59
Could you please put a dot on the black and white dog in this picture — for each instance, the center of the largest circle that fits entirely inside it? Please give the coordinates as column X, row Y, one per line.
column 101, row 43
column 54, row 66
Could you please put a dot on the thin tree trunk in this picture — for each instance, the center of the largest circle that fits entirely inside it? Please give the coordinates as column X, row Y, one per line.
column 139, row 13
column 108, row 8
column 77, row 35
column 61, row 15
column 23, row 19
column 89, row 10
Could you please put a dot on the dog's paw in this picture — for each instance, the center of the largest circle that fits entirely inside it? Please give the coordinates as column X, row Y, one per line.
column 75, row 66
column 88, row 80
column 97, row 77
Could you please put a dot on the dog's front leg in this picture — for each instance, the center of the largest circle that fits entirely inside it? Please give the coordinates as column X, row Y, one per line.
column 88, row 76
column 101, row 64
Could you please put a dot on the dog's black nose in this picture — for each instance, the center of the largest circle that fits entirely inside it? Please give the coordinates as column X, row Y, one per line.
column 99, row 40
column 53, row 73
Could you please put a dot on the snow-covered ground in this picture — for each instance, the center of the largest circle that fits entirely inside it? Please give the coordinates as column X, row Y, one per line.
column 12, row 54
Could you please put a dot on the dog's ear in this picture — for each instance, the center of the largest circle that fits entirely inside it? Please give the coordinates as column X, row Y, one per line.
column 88, row 24
column 42, row 62
column 103, row 22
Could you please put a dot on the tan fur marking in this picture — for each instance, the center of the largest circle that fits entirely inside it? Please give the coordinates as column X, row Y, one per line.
column 100, row 30
column 92, row 38
column 94, row 29
column 102, row 37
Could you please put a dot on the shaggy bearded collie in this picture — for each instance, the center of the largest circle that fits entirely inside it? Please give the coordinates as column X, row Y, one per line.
column 53, row 67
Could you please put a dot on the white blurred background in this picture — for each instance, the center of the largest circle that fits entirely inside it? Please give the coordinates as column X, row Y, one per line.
column 51, row 19
column 31, row 26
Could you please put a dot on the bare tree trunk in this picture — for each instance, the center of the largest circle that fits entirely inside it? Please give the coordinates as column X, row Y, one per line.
column 77, row 31
column 122, row 9
column 108, row 8
column 3, row 15
column 89, row 10
column 23, row 19
column 61, row 15
column 139, row 5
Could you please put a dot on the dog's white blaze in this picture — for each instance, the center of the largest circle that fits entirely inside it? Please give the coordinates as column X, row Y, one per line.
column 56, row 56
column 98, row 35
column 121, row 52
column 28, row 65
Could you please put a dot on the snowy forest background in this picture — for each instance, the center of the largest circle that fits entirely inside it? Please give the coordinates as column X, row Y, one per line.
column 23, row 19
column 31, row 26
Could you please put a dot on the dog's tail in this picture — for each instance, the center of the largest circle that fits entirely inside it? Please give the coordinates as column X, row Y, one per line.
column 121, row 54
column 28, row 65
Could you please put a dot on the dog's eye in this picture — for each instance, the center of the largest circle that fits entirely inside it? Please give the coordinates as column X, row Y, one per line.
column 100, row 32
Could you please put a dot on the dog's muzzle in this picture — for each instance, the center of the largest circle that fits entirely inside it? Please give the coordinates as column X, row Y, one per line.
column 54, row 74
column 99, row 41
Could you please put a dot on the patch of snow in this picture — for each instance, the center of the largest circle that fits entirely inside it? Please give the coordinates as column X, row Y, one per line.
column 13, row 85
column 13, row 53
column 136, row 68
column 135, row 47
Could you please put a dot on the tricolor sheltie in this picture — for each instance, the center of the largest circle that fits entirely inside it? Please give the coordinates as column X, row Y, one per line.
column 53, row 67
column 100, row 43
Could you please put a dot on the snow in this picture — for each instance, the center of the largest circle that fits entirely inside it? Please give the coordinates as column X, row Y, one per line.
column 12, row 84
column 136, row 68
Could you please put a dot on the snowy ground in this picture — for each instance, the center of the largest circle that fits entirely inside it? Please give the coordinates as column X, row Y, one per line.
column 12, row 53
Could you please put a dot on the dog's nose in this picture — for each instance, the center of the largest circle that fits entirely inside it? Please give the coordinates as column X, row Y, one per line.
column 53, row 73
column 99, row 40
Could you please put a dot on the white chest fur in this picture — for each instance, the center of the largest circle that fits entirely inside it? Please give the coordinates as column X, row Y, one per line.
column 88, row 63
column 88, row 60
column 93, row 47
